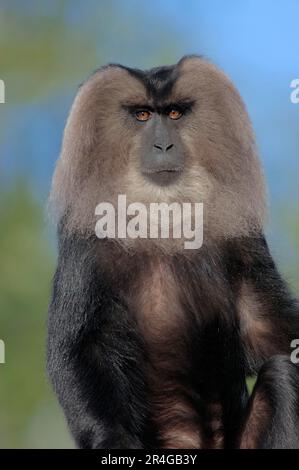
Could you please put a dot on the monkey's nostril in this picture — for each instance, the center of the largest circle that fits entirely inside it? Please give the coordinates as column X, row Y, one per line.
column 163, row 148
column 158, row 147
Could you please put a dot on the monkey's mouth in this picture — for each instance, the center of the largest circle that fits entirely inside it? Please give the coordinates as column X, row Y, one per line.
column 163, row 176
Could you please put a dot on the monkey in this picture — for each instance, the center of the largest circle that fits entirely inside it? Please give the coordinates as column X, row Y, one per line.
column 150, row 344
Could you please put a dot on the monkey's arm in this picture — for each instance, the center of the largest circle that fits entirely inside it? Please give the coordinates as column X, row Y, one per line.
column 269, row 314
column 94, row 354
column 269, row 321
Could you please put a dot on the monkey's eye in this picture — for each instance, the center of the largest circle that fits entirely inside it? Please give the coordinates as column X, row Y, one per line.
column 175, row 113
column 143, row 115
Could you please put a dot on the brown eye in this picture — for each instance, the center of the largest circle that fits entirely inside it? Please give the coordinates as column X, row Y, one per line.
column 174, row 114
column 143, row 115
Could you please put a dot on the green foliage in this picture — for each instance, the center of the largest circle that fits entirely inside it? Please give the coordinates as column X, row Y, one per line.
column 40, row 50
column 25, row 273
column 250, row 383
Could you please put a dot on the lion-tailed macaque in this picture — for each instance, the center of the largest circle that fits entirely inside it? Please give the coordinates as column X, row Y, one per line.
column 150, row 343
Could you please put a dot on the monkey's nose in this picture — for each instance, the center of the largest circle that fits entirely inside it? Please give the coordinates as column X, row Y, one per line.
column 163, row 147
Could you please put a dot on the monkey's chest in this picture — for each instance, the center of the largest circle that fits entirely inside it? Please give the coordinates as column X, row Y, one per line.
column 184, row 370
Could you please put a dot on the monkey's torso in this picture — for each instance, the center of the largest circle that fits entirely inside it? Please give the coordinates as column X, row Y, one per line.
column 159, row 346
column 188, row 338
column 201, row 331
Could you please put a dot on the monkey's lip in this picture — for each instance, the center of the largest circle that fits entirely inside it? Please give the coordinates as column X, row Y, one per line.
column 163, row 169
column 163, row 176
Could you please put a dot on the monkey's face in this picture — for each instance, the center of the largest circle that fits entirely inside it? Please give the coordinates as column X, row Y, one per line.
column 171, row 134
column 161, row 150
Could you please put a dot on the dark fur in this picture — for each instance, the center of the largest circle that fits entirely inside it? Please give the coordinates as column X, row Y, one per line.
column 98, row 358
column 157, row 81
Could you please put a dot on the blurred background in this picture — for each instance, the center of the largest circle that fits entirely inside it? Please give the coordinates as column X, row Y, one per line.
column 47, row 48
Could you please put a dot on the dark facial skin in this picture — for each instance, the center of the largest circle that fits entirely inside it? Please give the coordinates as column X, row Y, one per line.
column 162, row 156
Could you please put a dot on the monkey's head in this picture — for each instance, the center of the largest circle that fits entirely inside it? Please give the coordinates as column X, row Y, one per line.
column 177, row 133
